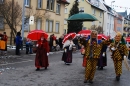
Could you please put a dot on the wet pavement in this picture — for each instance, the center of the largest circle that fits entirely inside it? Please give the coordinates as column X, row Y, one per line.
column 20, row 71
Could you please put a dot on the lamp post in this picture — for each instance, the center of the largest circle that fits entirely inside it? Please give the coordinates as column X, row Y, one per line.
column 23, row 16
column 111, row 3
column 110, row 18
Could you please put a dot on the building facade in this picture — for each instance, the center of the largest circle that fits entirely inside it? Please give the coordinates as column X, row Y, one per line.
column 118, row 23
column 48, row 15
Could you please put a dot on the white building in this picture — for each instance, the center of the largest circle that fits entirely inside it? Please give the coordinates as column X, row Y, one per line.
column 108, row 27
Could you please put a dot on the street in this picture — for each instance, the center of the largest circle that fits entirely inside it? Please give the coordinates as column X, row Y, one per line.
column 20, row 71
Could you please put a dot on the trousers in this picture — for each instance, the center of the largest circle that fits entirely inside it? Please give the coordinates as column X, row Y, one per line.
column 118, row 67
column 90, row 68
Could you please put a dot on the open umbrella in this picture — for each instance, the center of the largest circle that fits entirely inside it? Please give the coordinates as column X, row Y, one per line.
column 128, row 39
column 82, row 17
column 84, row 32
column 69, row 35
column 103, row 36
column 36, row 34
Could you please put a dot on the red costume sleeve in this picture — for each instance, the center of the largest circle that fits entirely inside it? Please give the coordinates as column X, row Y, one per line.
column 47, row 47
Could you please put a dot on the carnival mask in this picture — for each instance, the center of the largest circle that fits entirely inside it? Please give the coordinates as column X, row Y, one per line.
column 94, row 34
column 118, row 37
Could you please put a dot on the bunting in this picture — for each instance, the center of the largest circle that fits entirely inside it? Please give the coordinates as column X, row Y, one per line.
column 115, row 6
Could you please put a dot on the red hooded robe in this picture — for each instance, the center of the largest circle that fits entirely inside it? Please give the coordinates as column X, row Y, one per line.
column 41, row 59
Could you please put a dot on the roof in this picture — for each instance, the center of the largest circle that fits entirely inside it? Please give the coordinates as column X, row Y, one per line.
column 97, row 7
column 94, row 5
column 124, row 14
column 63, row 1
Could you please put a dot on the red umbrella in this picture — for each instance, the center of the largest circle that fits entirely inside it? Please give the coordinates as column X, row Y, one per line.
column 103, row 36
column 36, row 34
column 128, row 39
column 85, row 32
column 69, row 35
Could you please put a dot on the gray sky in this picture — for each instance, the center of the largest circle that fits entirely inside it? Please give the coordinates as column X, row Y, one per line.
column 122, row 3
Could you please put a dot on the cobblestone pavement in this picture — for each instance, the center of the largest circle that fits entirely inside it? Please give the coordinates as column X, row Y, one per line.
column 21, row 72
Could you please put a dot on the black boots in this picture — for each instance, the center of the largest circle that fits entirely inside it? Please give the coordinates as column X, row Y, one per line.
column 37, row 69
column 118, row 78
column 90, row 81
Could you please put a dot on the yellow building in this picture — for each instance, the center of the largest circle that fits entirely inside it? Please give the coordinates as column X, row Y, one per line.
column 50, row 19
column 89, row 8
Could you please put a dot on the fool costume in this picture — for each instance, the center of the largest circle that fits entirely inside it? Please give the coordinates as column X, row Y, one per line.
column 41, row 59
column 67, row 54
column 92, row 52
column 119, row 51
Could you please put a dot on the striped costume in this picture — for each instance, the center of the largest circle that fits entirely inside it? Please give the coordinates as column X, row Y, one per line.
column 117, row 56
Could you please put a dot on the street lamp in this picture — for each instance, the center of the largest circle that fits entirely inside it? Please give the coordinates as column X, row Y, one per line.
column 23, row 18
column 111, row 3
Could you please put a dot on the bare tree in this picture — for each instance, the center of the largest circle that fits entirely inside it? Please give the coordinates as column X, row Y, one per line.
column 37, row 14
column 99, row 29
column 11, row 12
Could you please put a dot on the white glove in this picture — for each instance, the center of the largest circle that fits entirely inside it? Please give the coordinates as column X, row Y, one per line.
column 113, row 48
column 103, row 54
column 47, row 54
column 65, row 50
column 124, row 56
column 37, row 45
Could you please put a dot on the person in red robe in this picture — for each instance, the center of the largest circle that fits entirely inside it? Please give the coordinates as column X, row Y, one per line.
column 42, row 53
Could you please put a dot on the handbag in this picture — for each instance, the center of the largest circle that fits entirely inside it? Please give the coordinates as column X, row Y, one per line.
column 82, row 51
column 84, row 64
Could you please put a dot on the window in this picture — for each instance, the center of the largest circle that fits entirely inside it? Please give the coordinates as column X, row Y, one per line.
column 47, row 4
column 100, row 14
column 27, row 3
column 93, row 11
column 57, row 27
column 119, row 22
column 93, row 23
column 81, row 9
column 118, row 28
column 39, row 24
column 39, row 4
column 65, row 31
column 65, row 10
column 26, row 24
column 49, row 26
column 84, row 28
column 50, row 4
column 100, row 24
column 1, row 22
column 1, row 1
column 58, row 9
column 65, row 22
column 107, row 25
column 110, row 27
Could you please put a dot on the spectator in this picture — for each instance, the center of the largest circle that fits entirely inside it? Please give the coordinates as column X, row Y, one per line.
column 18, row 43
column 4, row 38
